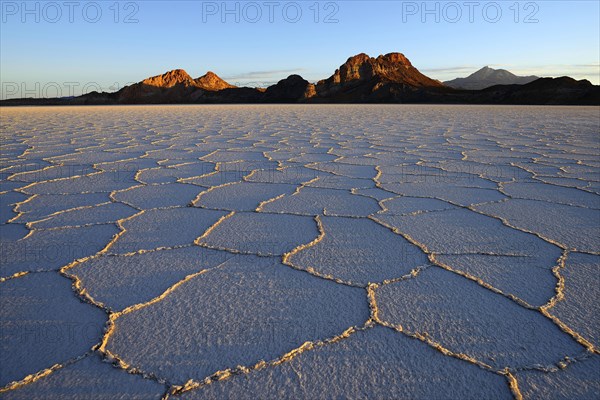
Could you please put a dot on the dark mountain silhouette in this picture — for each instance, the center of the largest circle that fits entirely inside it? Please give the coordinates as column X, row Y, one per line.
column 291, row 89
column 487, row 77
column 389, row 78
column 551, row 91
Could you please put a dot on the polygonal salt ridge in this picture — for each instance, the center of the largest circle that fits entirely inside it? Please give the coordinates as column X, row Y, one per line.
column 242, row 196
column 567, row 227
column 292, row 173
column 38, row 207
column 383, row 139
column 577, row 380
column 260, row 233
column 169, row 163
column 215, row 178
column 172, row 154
column 173, row 173
column 49, row 250
column 289, row 308
column 101, row 214
column 165, row 195
column 587, row 185
column 280, row 154
column 320, row 201
column 224, row 156
column 485, row 250
column 96, row 182
column 510, row 337
column 118, row 282
column 485, row 170
column 341, row 168
column 463, row 196
column 9, row 184
column 577, row 170
column 42, row 171
column 349, row 149
column 92, row 157
column 9, row 201
column 579, row 283
column 58, row 326
column 89, row 374
column 552, row 194
column 340, row 253
column 163, row 228
column 12, row 232
column 465, row 231
column 309, row 158
column 537, row 169
column 420, row 174
column 342, row 183
column 13, row 150
column 407, row 205
column 528, row 279
column 247, row 167
column 131, row 164
column 10, row 166
column 365, row 362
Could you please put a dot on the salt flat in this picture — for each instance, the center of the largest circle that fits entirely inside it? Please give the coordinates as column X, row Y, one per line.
column 291, row 251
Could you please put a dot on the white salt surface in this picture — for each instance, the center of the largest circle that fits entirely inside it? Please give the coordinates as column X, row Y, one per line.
column 422, row 252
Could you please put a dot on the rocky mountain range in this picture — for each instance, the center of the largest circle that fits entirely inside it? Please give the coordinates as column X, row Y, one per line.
column 389, row 78
column 486, row 77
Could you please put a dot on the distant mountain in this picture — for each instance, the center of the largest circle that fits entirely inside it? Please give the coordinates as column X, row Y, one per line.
column 389, row 78
column 291, row 89
column 548, row 91
column 171, row 87
column 487, row 77
column 169, row 79
column 210, row 81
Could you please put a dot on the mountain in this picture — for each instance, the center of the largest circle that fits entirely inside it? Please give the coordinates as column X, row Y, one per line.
column 389, row 78
column 392, row 67
column 169, row 79
column 210, row 81
column 294, row 88
column 364, row 78
column 548, row 91
column 171, row 87
column 487, row 77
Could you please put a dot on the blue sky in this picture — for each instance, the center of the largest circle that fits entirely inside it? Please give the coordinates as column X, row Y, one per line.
column 47, row 47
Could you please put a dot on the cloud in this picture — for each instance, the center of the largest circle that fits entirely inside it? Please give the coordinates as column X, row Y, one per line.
column 462, row 68
column 261, row 79
column 265, row 74
column 580, row 71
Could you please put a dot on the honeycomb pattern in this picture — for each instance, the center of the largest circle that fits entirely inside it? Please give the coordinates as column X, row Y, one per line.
column 300, row 251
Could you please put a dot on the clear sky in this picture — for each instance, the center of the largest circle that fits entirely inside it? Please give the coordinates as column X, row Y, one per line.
column 47, row 47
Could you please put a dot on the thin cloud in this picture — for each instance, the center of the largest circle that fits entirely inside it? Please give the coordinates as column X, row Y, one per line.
column 265, row 74
column 450, row 69
column 574, row 70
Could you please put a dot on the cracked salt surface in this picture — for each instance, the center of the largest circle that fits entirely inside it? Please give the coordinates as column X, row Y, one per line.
column 423, row 252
